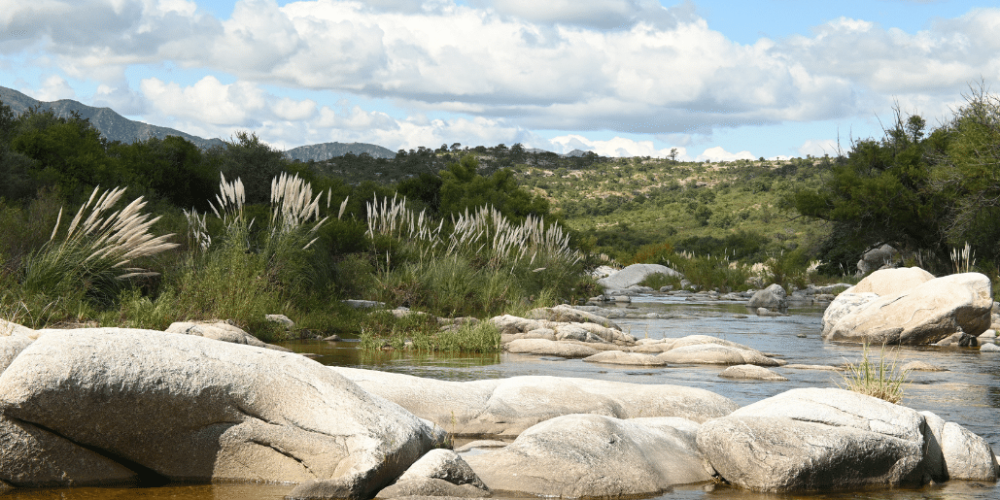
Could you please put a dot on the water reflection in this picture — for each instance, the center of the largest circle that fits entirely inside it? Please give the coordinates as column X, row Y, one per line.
column 239, row 491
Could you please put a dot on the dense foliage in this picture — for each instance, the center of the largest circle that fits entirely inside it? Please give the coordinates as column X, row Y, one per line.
column 238, row 256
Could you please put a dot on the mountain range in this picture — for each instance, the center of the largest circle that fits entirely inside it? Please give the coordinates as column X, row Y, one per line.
column 116, row 127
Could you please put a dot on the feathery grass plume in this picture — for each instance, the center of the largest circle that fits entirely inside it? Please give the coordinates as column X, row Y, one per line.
column 293, row 205
column 963, row 259
column 392, row 218
column 229, row 202
column 882, row 380
column 198, row 236
column 96, row 249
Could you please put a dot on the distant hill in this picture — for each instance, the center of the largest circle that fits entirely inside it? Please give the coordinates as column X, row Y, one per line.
column 325, row 151
column 112, row 126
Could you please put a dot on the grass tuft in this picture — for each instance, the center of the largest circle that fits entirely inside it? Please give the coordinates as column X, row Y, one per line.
column 882, row 379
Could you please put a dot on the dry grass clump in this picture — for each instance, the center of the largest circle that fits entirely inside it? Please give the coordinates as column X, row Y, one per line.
column 882, row 379
column 95, row 252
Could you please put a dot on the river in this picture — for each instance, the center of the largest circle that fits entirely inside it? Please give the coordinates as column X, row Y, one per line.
column 968, row 393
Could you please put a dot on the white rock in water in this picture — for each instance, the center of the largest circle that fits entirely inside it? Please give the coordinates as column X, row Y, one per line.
column 922, row 315
column 635, row 274
column 596, row 456
column 506, row 407
column 194, row 409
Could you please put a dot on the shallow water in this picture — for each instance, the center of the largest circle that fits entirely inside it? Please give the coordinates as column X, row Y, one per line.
column 968, row 394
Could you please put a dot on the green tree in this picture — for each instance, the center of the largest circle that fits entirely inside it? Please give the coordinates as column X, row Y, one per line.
column 256, row 163
column 463, row 188
column 67, row 152
column 172, row 168
column 881, row 193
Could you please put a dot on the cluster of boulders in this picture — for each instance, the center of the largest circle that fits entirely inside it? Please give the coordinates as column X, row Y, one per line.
column 569, row 332
column 645, row 439
column 910, row 306
column 115, row 406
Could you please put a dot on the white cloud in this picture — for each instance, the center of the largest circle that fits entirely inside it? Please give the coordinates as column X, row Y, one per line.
column 616, row 147
column 717, row 153
column 818, row 147
column 121, row 98
column 53, row 88
column 629, row 66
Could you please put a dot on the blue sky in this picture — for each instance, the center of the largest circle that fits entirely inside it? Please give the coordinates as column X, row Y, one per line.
column 715, row 79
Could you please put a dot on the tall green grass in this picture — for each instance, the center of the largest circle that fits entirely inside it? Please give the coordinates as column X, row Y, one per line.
column 882, row 379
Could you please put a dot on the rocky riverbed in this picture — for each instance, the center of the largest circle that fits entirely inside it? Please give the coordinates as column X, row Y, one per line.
column 679, row 399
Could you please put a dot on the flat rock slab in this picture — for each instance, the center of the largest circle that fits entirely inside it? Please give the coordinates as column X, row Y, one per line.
column 543, row 347
column 716, row 354
column 625, row 358
column 922, row 366
column 827, row 368
column 596, row 456
column 506, row 407
column 188, row 408
column 568, row 314
column 751, row 372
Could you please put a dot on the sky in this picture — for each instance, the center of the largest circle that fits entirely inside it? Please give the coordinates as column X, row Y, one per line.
column 717, row 80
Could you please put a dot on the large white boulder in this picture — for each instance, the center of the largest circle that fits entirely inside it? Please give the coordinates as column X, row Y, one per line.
column 954, row 452
column 187, row 408
column 844, row 304
column 827, row 439
column 921, row 315
column 506, row 407
column 773, row 298
column 891, row 281
column 596, row 456
column 635, row 274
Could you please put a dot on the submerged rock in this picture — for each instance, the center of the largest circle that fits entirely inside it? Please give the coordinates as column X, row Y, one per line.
column 187, row 408
column 506, row 407
column 625, row 358
column 751, row 372
column 596, row 456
